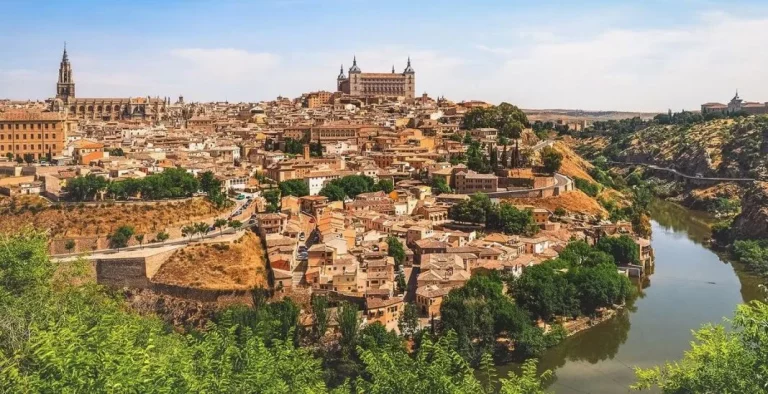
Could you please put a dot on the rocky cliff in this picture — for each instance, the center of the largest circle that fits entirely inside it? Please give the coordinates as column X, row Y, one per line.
column 752, row 222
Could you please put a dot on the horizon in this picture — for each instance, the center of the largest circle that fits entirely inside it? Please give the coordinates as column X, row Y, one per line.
column 593, row 56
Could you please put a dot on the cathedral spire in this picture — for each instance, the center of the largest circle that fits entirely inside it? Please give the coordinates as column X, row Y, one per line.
column 64, row 57
column 393, row 69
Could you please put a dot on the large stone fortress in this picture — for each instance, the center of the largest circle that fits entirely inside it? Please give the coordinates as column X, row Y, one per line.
column 107, row 109
column 360, row 84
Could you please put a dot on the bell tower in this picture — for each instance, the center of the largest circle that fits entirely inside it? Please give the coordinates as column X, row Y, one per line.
column 65, row 88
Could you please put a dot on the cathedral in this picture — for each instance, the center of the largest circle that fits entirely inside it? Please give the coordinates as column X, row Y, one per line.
column 360, row 84
column 105, row 109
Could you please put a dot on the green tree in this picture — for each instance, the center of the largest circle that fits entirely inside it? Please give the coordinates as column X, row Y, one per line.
column 440, row 186
column 349, row 324
column 320, row 316
column 409, row 320
column 139, row 238
column 333, row 192
column 396, row 251
column 29, row 158
column 507, row 218
column 294, row 187
column 69, row 245
column 121, row 236
column 220, row 223
column 551, row 159
column 545, row 292
column 623, row 249
column 162, row 236
column 235, row 224
column 85, row 188
column 384, row 185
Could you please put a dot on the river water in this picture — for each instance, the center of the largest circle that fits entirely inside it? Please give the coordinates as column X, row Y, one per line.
column 690, row 286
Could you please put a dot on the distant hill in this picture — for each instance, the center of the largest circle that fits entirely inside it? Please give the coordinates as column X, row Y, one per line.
column 577, row 115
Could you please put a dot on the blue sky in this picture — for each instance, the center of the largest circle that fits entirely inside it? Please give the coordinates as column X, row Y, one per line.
column 629, row 55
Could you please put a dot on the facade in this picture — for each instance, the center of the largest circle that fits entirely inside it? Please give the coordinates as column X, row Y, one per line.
column 470, row 182
column 736, row 105
column 40, row 134
column 360, row 84
column 107, row 109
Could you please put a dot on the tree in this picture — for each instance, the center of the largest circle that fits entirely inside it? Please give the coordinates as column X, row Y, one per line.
column 201, row 228
column 320, row 316
column 85, row 188
column 188, row 231
column 294, row 187
column 384, row 185
column 333, row 192
column 545, row 292
column 510, row 220
column 235, row 224
column 551, row 159
column 116, row 152
column 721, row 360
column 440, row 186
column 139, row 238
column 349, row 324
column 409, row 320
column 121, row 237
column 273, row 199
column 29, row 158
column 599, row 286
column 162, row 236
column 396, row 251
column 69, row 245
column 220, row 223
column 623, row 249
column 209, row 184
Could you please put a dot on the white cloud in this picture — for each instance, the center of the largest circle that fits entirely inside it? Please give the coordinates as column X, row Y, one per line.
column 650, row 69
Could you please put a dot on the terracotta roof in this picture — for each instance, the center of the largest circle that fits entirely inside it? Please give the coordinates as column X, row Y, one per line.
column 29, row 115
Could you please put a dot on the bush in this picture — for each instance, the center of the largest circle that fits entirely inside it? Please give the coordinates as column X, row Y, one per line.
column 589, row 188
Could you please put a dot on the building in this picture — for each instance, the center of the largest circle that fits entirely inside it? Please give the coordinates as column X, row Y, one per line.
column 360, row 84
column 317, row 99
column 107, row 109
column 735, row 105
column 36, row 133
column 470, row 182
column 86, row 151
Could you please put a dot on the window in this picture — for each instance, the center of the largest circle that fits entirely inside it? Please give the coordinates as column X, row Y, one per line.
column 46, row 126
column 46, row 135
column 53, row 135
column 39, row 136
column 24, row 146
column 39, row 146
column 54, row 146
column 24, row 126
column 24, row 136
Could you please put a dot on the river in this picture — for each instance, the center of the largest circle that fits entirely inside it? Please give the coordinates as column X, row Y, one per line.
column 690, row 286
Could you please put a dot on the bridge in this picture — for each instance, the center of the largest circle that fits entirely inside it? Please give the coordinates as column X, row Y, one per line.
column 693, row 179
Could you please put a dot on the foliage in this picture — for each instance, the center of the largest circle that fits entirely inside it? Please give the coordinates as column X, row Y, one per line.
column 753, row 253
column 503, row 217
column 506, row 118
column 395, row 250
column 235, row 224
column 623, row 249
column 69, row 245
column 162, row 236
column 294, row 187
column 272, row 197
column 477, row 160
column 333, row 192
column 551, row 159
column 121, row 236
column 320, row 315
column 560, row 211
column 116, row 152
column 409, row 320
column 384, row 185
column 589, row 188
column 349, row 325
column 85, row 188
column 545, row 292
column 440, row 186
column 293, row 147
column 720, row 360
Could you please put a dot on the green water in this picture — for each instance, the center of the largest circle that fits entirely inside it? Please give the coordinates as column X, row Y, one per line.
column 690, row 286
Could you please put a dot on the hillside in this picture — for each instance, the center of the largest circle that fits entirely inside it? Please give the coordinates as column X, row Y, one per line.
column 238, row 265
column 79, row 220
column 575, row 201
column 725, row 147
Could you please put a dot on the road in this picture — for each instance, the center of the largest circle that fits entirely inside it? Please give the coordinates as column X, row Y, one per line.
column 676, row 172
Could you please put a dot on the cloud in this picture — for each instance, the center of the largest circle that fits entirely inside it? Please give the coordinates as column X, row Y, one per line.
column 226, row 64
column 639, row 69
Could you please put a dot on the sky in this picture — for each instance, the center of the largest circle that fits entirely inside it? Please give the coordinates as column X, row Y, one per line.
column 627, row 55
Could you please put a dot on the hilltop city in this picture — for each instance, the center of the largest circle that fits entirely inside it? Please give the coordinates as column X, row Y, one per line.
column 369, row 193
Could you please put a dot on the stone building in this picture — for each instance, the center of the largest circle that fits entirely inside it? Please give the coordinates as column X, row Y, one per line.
column 41, row 134
column 737, row 104
column 360, row 84
column 107, row 109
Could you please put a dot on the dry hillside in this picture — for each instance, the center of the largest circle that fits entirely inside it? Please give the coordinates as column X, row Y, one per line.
column 573, row 164
column 575, row 201
column 72, row 220
column 238, row 265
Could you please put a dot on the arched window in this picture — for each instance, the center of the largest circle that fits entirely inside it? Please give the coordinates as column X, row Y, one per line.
column 82, row 108
column 90, row 108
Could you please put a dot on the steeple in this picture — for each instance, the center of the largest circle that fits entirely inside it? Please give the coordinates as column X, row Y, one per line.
column 341, row 73
column 408, row 68
column 354, row 68
column 65, row 88
column 393, row 69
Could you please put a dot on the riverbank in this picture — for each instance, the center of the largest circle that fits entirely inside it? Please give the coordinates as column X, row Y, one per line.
column 691, row 286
